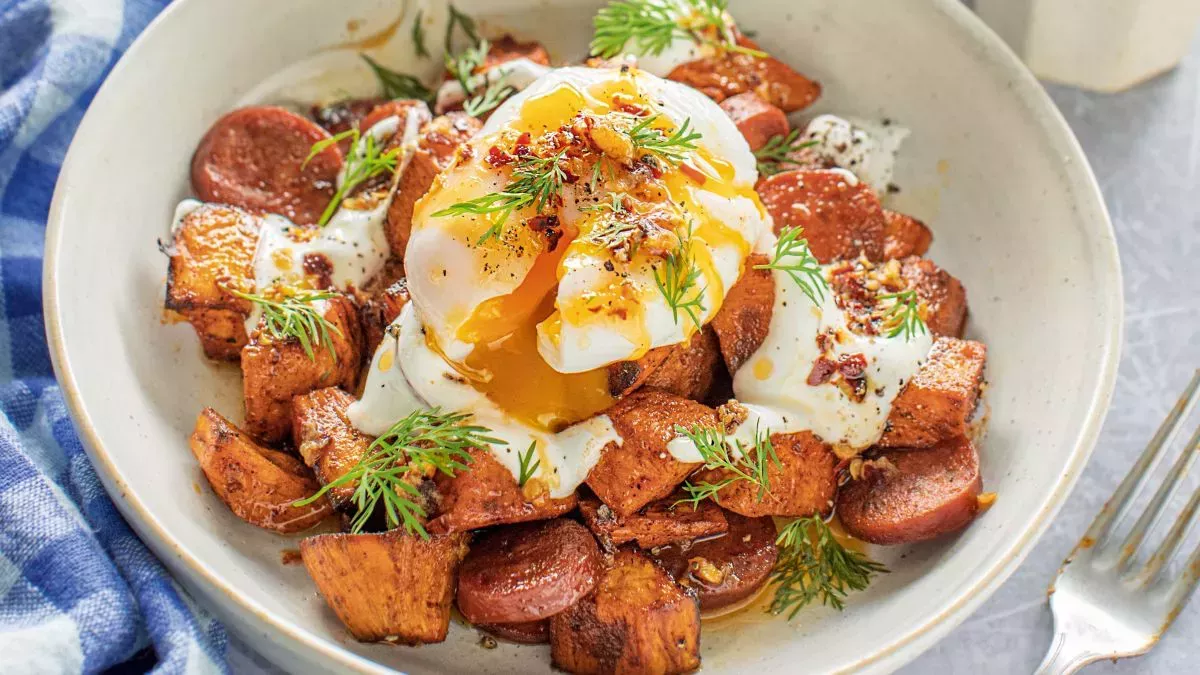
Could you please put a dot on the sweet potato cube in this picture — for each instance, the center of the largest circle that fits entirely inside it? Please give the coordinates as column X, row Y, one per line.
column 212, row 250
column 326, row 439
column 944, row 297
column 636, row 621
column 742, row 323
column 904, row 236
column 757, row 119
column 640, row 470
column 380, row 311
column 661, row 523
column 486, row 495
column 937, row 402
column 258, row 484
column 804, row 483
column 388, row 586
column 273, row 372
column 687, row 369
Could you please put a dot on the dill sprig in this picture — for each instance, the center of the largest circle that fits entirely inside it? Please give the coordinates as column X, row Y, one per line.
column 679, row 281
column 535, row 180
column 616, row 204
column 424, row 441
column 489, row 99
column 903, row 317
column 651, row 25
column 462, row 66
column 418, row 35
column 813, row 565
column 793, row 256
column 399, row 85
column 295, row 317
column 714, row 447
column 365, row 160
column 529, row 465
column 671, row 149
column 778, row 151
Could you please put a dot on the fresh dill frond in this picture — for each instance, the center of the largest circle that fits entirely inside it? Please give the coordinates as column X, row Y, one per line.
column 365, row 160
column 616, row 204
column 793, row 256
column 295, row 317
column 425, row 440
column 399, row 85
column 462, row 66
column 489, row 99
column 778, row 151
column 535, row 180
column 418, row 35
column 651, row 26
column 813, row 565
column 903, row 317
column 671, row 149
column 750, row 464
column 678, row 279
column 460, row 20
column 529, row 465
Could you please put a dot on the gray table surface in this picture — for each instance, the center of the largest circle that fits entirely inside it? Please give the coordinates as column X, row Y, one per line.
column 1144, row 145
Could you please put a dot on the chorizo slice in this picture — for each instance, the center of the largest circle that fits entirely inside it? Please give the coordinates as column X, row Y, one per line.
column 526, row 633
column 343, row 115
column 757, row 119
column 731, row 73
column 841, row 216
column 212, row 251
column 254, row 158
column 640, row 470
column 904, row 236
column 258, row 484
column 937, row 403
column 742, row 323
column 274, row 371
column 659, row 524
column 436, row 146
column 687, row 369
column 487, row 495
column 725, row 569
column 387, row 586
column 803, row 483
column 916, row 495
column 327, row 441
column 528, row 572
column 943, row 296
column 637, row 621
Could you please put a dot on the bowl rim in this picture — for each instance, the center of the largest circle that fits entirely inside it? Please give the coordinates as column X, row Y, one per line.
column 907, row 647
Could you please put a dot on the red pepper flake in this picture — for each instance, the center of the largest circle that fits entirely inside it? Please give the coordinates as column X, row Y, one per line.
column 319, row 266
column 549, row 227
column 693, row 173
column 822, row 371
column 852, row 366
column 498, row 157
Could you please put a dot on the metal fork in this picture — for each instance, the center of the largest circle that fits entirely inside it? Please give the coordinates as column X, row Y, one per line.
column 1105, row 605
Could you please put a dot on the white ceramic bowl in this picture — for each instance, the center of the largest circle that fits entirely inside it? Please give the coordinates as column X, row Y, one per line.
column 990, row 165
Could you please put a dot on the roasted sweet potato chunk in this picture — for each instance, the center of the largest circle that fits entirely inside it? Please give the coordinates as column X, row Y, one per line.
column 388, row 586
column 686, row 369
column 804, row 482
column 258, row 484
column 380, row 311
column 732, row 73
column 904, row 236
column 212, row 250
column 841, row 216
column 938, row 401
column 640, row 470
column 486, row 495
column 727, row 569
column 916, row 495
column 435, row 150
column 661, row 523
column 742, row 323
column 637, row 621
column 757, row 119
column 274, row 372
column 326, row 439
column 528, row 572
column 944, row 297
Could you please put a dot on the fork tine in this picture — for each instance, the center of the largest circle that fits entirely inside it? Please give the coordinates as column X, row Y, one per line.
column 1183, row 588
column 1161, row 496
column 1166, row 550
column 1118, row 504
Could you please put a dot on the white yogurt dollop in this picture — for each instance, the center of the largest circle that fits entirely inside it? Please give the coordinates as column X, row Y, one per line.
column 867, row 149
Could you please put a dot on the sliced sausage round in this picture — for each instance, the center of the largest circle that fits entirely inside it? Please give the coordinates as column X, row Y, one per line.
column 344, row 114
column 727, row 568
column 528, row 572
column 915, row 495
column 840, row 215
column 757, row 119
column 526, row 633
column 254, row 158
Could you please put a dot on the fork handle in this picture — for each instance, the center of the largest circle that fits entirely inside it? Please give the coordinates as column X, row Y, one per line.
column 1065, row 656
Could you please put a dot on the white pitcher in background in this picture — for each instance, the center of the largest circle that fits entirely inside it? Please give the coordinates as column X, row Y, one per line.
column 1105, row 45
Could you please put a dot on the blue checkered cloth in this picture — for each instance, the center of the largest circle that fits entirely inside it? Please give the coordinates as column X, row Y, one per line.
column 79, row 593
